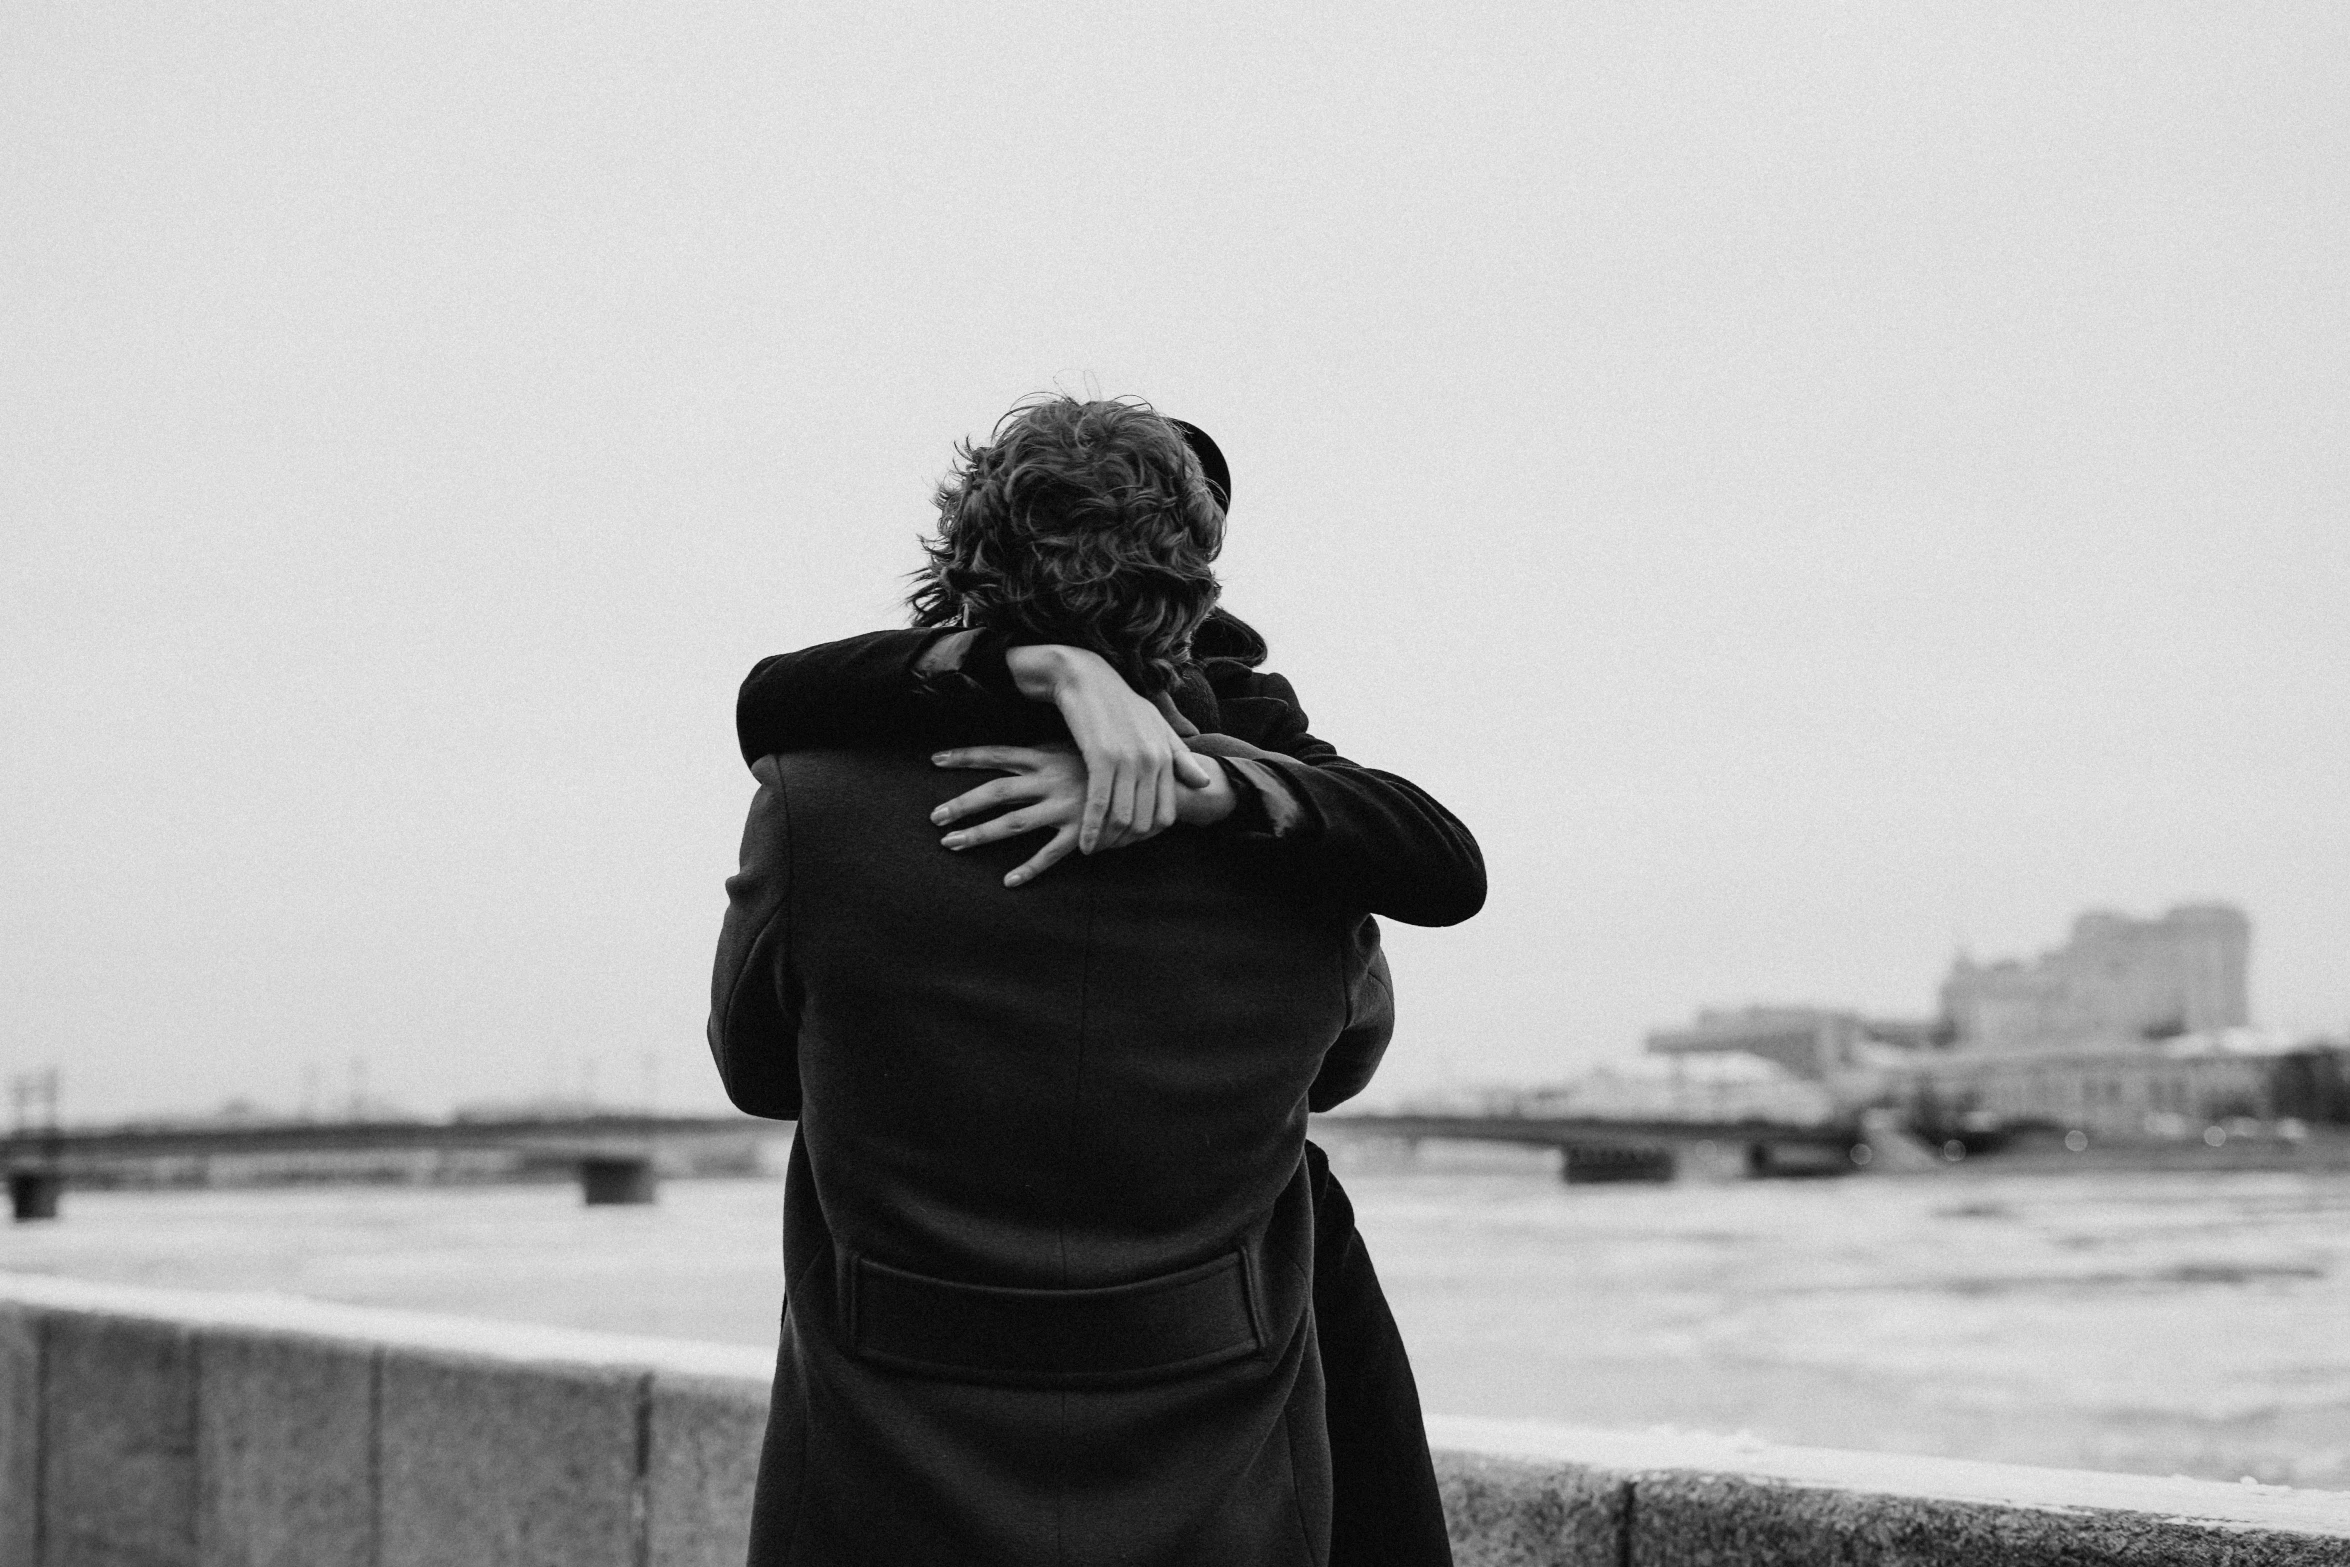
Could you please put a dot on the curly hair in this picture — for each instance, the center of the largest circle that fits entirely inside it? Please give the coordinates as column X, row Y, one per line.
column 1085, row 523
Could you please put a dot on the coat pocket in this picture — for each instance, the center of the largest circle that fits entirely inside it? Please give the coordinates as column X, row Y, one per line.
column 1119, row 1335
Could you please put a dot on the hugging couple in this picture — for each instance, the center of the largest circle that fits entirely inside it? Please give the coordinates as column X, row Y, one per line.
column 1052, row 923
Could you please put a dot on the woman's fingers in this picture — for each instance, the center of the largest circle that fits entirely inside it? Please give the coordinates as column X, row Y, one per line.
column 1119, row 829
column 1045, row 858
column 1009, row 825
column 1131, row 791
column 1115, row 803
column 984, row 758
column 1003, row 791
column 1140, row 798
column 1098, row 778
column 1166, row 813
column 1049, row 790
column 1129, row 748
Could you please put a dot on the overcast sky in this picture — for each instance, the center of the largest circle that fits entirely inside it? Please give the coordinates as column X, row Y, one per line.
column 1810, row 484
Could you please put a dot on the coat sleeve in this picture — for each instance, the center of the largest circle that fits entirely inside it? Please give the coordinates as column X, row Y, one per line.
column 897, row 688
column 1373, row 841
column 754, row 1005
column 1370, row 1022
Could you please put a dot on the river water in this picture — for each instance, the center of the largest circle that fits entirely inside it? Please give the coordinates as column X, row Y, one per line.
column 2187, row 1322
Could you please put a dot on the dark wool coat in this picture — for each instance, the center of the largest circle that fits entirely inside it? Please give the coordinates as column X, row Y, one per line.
column 1048, row 1236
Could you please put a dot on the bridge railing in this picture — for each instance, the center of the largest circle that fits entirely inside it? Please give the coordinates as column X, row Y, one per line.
column 88, row 1143
column 616, row 1157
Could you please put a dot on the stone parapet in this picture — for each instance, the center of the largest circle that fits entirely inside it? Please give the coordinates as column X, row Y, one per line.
column 1691, row 1500
column 149, row 1428
column 286, row 1436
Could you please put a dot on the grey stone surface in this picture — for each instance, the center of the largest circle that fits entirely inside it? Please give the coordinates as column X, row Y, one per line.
column 20, row 1433
column 1708, row 1520
column 118, row 1461
column 490, row 1463
column 704, row 1462
column 168, row 1430
column 285, row 1451
column 1505, row 1512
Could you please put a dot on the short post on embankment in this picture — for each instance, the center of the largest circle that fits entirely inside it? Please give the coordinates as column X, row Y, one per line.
column 35, row 1183
column 34, row 1194
column 1583, row 1164
column 606, row 1179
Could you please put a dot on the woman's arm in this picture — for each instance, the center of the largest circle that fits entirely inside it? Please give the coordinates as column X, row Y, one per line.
column 1375, row 841
column 956, row 689
column 916, row 688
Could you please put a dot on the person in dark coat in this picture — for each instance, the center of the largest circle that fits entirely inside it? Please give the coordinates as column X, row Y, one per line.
column 1369, row 840
column 1048, row 1228
column 1049, row 1231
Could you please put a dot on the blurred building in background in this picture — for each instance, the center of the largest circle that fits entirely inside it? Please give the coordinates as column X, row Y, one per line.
column 2172, row 1087
column 2132, row 1028
column 1715, row 1086
column 1819, row 1043
column 2119, row 982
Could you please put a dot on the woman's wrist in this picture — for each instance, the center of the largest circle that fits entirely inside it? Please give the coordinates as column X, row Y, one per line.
column 1206, row 807
column 1044, row 671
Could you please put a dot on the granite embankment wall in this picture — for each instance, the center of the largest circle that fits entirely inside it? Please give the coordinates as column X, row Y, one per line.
column 144, row 1428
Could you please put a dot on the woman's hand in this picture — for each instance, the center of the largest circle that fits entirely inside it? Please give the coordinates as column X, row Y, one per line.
column 1133, row 761
column 1046, row 787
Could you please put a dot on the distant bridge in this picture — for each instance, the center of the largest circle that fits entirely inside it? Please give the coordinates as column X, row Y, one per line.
column 622, row 1146
column 1556, row 1131
column 571, row 1135
column 1626, row 1148
column 614, row 1155
column 592, row 1134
